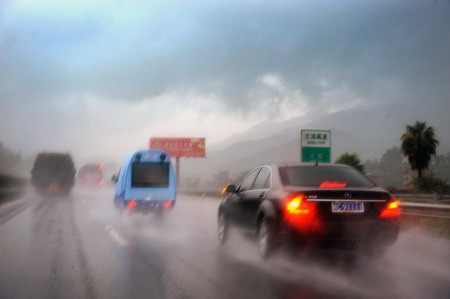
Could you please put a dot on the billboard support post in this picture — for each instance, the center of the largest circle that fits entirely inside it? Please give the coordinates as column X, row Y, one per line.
column 177, row 171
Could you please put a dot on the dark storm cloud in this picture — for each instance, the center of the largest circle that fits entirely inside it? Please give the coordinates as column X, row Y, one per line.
column 379, row 50
column 358, row 46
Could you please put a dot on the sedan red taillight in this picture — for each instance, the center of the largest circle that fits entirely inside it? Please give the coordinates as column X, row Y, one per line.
column 296, row 205
column 300, row 213
column 392, row 209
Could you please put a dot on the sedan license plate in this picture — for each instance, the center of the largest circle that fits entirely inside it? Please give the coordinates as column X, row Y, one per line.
column 347, row 207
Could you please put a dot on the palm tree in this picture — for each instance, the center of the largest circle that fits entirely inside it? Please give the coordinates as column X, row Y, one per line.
column 352, row 160
column 418, row 144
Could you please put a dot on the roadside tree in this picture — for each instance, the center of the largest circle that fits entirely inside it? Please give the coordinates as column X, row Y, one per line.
column 418, row 145
column 352, row 160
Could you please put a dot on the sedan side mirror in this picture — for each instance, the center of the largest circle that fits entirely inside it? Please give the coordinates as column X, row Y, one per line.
column 229, row 189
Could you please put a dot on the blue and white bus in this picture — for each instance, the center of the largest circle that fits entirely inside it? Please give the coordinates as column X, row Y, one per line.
column 146, row 183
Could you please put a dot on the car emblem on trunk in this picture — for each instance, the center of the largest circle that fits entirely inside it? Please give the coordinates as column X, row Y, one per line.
column 347, row 195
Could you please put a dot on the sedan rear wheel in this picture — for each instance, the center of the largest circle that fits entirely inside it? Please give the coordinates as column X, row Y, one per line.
column 223, row 228
column 266, row 238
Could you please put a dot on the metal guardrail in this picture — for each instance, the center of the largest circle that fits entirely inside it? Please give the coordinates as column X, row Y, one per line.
column 424, row 205
column 11, row 209
column 426, row 210
column 423, row 196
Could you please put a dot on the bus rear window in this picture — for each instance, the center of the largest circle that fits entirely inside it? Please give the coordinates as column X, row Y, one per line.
column 150, row 174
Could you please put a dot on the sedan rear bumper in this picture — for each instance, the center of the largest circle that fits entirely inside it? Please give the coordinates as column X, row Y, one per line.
column 149, row 206
column 378, row 232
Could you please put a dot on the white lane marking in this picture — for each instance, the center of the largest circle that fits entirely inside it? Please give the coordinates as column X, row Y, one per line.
column 116, row 236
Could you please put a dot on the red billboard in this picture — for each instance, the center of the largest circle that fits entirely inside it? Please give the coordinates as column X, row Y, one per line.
column 179, row 147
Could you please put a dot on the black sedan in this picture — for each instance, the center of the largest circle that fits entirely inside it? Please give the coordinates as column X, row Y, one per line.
column 325, row 206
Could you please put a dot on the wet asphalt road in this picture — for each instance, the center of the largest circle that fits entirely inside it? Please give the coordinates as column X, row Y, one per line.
column 80, row 247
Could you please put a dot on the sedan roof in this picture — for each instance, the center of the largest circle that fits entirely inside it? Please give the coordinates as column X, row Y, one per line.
column 290, row 164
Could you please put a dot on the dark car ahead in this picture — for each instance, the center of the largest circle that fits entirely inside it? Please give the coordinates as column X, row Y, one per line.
column 53, row 173
column 325, row 206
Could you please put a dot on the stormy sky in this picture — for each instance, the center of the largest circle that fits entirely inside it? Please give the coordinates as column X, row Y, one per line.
column 98, row 78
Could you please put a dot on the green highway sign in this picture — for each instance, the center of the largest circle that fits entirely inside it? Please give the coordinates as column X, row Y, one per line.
column 315, row 146
column 313, row 154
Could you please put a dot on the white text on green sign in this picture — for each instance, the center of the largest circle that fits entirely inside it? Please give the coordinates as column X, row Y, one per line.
column 315, row 138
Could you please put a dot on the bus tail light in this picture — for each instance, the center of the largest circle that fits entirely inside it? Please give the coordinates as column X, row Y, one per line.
column 132, row 204
column 167, row 204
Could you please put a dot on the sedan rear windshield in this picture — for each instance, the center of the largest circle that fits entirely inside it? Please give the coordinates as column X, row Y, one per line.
column 327, row 176
column 150, row 174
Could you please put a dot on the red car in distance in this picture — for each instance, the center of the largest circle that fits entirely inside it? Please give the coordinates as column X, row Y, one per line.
column 91, row 175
